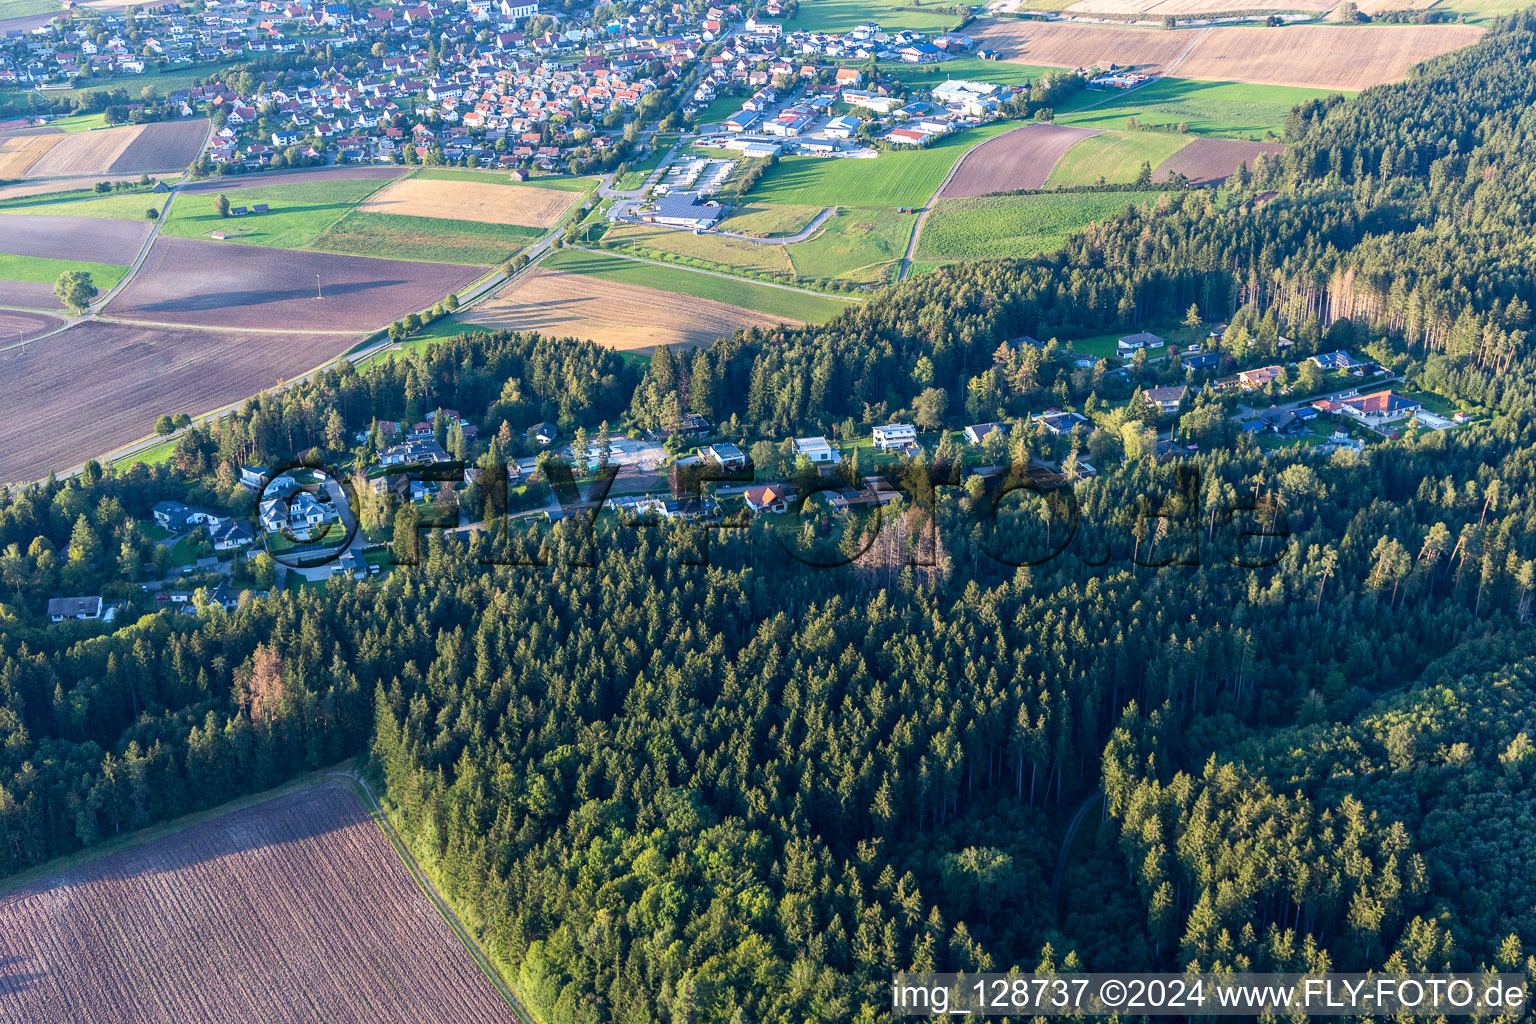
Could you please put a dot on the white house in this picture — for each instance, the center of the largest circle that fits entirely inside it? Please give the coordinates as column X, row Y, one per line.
column 895, row 436
column 61, row 608
column 817, row 450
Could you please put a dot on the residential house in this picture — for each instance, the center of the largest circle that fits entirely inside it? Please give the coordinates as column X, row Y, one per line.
column 1057, row 422
column 725, row 455
column 421, row 450
column 1253, row 380
column 230, row 535
column 768, row 498
column 817, row 450
column 1141, row 339
column 178, row 518
column 1379, row 407
column 1338, row 360
column 61, row 608
column 1165, row 400
column 544, row 432
column 976, row 433
column 895, row 437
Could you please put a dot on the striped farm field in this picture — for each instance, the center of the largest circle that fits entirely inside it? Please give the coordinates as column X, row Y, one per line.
column 1012, row 227
column 1113, row 158
column 432, row 239
column 293, row 910
column 1219, row 109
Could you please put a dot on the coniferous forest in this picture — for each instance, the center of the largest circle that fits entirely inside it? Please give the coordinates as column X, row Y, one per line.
column 749, row 790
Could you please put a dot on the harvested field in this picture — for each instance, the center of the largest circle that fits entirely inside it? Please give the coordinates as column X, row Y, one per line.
column 1321, row 56
column 163, row 146
column 86, row 152
column 108, row 382
column 251, row 286
column 294, row 910
column 90, row 240
column 1210, row 161
column 485, row 202
column 1022, row 158
column 19, row 152
column 625, row 317
column 1194, row 8
column 239, row 181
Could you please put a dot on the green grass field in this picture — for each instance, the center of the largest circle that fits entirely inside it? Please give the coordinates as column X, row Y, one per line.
column 432, row 239
column 898, row 178
column 763, row 221
column 26, row 8
column 1113, row 157
column 926, row 76
column 163, row 82
column 726, row 253
column 1222, row 109
column 1009, row 227
column 299, row 214
column 842, row 15
column 1479, row 11
column 637, row 171
column 860, row 245
column 720, row 108
column 746, row 294
column 35, row 268
column 79, row 122
column 85, row 203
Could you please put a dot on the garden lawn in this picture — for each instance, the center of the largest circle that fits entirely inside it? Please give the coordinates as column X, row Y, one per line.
column 764, row 298
column 34, row 268
column 85, row 203
column 1010, row 227
column 1235, row 110
column 1116, row 157
column 300, row 212
column 896, row 178
column 719, row 108
column 432, row 239
column 25, row 8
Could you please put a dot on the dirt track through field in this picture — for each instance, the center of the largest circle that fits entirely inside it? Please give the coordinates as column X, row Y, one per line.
column 86, row 239
column 1209, row 161
column 293, row 911
column 1319, row 56
column 224, row 284
column 87, row 390
column 485, row 202
column 238, row 181
column 621, row 316
column 1021, row 158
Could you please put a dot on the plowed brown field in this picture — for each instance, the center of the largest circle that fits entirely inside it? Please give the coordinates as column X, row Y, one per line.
column 293, row 911
column 186, row 281
column 97, row 386
column 1207, row 161
column 626, row 317
column 1021, row 158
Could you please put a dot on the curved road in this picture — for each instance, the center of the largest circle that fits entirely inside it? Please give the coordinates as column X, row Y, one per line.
column 798, row 236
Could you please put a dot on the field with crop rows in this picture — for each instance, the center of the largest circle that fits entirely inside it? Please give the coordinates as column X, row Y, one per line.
column 898, row 178
column 1009, row 227
column 432, row 239
column 291, row 911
